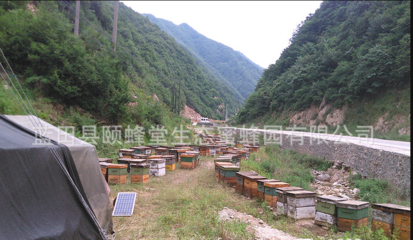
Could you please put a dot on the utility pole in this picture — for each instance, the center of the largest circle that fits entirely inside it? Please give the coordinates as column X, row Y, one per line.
column 77, row 18
column 115, row 25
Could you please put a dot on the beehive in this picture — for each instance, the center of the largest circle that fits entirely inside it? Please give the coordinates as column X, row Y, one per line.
column 117, row 173
column 402, row 222
column 169, row 162
column 228, row 174
column 139, row 173
column 270, row 192
column 204, row 150
column 261, row 188
column 104, row 169
column 217, row 170
column 301, row 204
column 142, row 150
column 188, row 161
column 282, row 206
column 153, row 147
column 154, row 157
column 140, row 156
column 351, row 212
column 157, row 167
column 326, row 210
column 196, row 153
column 161, row 151
column 106, row 160
column 124, row 161
column 126, row 153
column 239, row 145
column 250, row 188
column 239, row 185
column 179, row 152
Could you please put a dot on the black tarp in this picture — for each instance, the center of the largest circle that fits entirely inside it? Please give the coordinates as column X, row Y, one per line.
column 41, row 196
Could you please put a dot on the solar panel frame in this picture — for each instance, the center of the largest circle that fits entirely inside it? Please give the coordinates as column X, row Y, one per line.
column 125, row 203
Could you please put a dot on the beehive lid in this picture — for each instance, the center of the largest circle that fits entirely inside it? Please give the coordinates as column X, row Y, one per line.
column 181, row 150
column 254, row 177
column 268, row 180
column 283, row 190
column 188, row 155
column 157, row 160
column 153, row 146
column 229, row 167
column 140, row 147
column 243, row 174
column 154, row 156
column 104, row 164
column 140, row 156
column 301, row 194
column 276, row 184
column 126, row 150
column 352, row 204
column 124, row 159
column 117, row 165
column 181, row 145
column 389, row 207
column 168, row 156
column 330, row 198
column 192, row 152
column 223, row 163
column 105, row 159
column 161, row 149
column 142, row 165
column 137, row 160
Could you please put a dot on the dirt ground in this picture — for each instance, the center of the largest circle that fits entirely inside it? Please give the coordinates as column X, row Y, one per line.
column 151, row 200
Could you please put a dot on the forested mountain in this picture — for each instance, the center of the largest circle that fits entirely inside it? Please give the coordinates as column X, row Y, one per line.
column 231, row 67
column 345, row 53
column 84, row 71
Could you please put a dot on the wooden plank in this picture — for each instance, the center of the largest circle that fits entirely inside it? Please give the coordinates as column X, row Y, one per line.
column 402, row 220
column 301, row 212
column 117, row 179
column 387, row 227
column 344, row 224
column 139, row 178
column 323, row 219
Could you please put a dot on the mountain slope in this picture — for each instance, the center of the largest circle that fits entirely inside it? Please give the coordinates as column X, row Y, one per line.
column 345, row 53
column 84, row 71
column 231, row 67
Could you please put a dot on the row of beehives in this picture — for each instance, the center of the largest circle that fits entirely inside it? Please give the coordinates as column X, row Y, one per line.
column 326, row 210
column 144, row 161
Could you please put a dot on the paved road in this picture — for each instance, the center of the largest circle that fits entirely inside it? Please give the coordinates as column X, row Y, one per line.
column 386, row 145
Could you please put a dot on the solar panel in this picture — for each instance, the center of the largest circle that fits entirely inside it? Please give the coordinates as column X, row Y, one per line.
column 125, row 202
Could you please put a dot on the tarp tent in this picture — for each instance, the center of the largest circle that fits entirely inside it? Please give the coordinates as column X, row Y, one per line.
column 87, row 164
column 41, row 196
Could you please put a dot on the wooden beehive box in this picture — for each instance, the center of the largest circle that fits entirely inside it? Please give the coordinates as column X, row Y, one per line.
column 326, row 210
column 142, row 150
column 217, row 170
column 188, row 161
column 157, row 167
column 169, row 162
column 351, row 212
column 270, row 195
column 250, row 188
column 179, row 152
column 196, row 153
column 301, row 204
column 282, row 207
column 261, row 188
column 139, row 173
column 204, row 150
column 126, row 153
column 239, row 185
column 228, row 173
column 106, row 160
column 124, row 161
column 104, row 169
column 383, row 217
column 161, row 151
column 156, row 163
column 117, row 173
column 402, row 222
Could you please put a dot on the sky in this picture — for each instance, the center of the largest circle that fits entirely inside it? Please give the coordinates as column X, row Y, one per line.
column 259, row 29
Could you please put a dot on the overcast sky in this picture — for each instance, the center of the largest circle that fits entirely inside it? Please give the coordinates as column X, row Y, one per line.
column 259, row 29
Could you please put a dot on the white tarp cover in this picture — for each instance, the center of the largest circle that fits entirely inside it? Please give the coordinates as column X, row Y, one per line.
column 87, row 164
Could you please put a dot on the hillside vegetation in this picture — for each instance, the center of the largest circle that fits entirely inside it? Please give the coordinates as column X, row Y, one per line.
column 348, row 54
column 231, row 67
column 38, row 40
